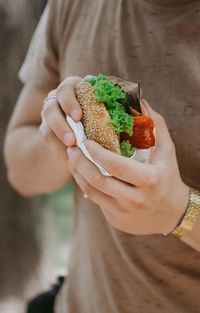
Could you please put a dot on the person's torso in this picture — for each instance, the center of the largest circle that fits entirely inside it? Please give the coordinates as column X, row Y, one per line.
column 111, row 271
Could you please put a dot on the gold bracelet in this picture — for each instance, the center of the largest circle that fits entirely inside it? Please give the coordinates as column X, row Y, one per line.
column 191, row 215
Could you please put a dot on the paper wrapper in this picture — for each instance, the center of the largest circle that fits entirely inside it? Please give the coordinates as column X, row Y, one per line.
column 142, row 155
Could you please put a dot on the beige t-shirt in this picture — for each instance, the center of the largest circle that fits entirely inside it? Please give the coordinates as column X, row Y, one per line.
column 155, row 42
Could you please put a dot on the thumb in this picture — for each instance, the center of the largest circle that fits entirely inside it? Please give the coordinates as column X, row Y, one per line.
column 67, row 99
column 162, row 136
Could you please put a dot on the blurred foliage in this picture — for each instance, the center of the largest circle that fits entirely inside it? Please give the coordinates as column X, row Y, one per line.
column 61, row 203
column 61, row 222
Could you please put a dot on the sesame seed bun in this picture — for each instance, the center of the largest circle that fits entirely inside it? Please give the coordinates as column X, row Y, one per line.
column 96, row 119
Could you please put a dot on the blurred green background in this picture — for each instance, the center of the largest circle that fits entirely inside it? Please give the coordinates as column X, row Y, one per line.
column 60, row 204
column 34, row 232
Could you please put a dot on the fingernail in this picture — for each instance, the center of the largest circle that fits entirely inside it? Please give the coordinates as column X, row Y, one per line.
column 68, row 139
column 76, row 114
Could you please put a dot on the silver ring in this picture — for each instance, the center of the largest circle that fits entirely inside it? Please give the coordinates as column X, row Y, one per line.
column 50, row 97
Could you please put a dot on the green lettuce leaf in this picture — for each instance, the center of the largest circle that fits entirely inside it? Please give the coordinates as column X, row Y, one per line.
column 114, row 99
column 126, row 148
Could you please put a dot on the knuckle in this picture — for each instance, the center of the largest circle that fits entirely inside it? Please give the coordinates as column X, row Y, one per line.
column 87, row 189
column 64, row 83
column 90, row 147
column 98, row 181
column 57, row 129
column 72, row 170
column 65, row 99
column 61, row 88
column 66, row 94
column 48, row 107
column 141, row 203
column 75, row 160
column 52, row 92
column 133, row 203
column 42, row 114
column 68, row 83
column 116, row 168
column 55, row 123
column 136, row 203
column 130, row 201
column 153, row 179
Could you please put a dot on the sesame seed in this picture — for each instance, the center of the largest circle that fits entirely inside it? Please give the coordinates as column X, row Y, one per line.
column 96, row 119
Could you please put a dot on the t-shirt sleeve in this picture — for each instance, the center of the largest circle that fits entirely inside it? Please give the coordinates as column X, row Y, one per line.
column 40, row 67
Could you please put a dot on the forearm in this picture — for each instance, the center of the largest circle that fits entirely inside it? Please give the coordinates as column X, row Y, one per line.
column 33, row 168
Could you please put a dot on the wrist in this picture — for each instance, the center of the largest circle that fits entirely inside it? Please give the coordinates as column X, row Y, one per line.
column 180, row 200
column 191, row 216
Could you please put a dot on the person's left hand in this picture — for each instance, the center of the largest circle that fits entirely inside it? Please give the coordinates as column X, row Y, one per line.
column 139, row 198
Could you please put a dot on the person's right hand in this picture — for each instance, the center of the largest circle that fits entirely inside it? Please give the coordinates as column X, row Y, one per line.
column 54, row 128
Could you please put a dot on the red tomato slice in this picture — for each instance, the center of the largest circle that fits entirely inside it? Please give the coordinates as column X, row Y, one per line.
column 143, row 137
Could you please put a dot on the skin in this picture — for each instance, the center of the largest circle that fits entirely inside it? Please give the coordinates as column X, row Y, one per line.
column 42, row 134
column 130, row 199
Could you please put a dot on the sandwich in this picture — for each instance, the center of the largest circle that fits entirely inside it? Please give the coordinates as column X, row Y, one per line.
column 113, row 114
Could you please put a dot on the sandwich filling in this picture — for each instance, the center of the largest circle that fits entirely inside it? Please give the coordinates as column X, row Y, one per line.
column 115, row 101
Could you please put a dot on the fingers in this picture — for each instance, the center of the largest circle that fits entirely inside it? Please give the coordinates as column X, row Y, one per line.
column 128, row 199
column 109, row 206
column 67, row 99
column 108, row 185
column 55, row 119
column 164, row 143
column 54, row 111
column 95, row 195
column 125, row 169
column 51, row 140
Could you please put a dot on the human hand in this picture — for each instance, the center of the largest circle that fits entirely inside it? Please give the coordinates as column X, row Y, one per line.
column 139, row 198
column 54, row 128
